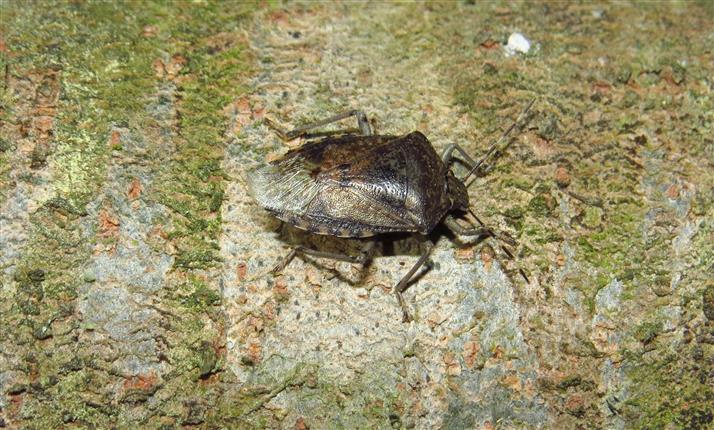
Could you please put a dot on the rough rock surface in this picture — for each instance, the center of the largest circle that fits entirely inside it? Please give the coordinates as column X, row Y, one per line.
column 134, row 266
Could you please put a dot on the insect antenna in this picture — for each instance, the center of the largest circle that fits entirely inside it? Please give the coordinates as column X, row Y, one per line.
column 505, row 240
column 494, row 146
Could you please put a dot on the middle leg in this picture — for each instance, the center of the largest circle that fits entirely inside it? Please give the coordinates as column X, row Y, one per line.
column 404, row 282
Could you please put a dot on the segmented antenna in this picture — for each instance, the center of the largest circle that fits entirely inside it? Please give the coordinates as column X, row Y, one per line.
column 493, row 147
column 490, row 152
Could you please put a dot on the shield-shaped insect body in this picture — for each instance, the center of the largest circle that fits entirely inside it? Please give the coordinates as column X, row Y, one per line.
column 354, row 184
column 360, row 186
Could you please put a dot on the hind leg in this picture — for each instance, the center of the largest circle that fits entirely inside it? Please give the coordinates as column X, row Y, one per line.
column 363, row 129
column 362, row 258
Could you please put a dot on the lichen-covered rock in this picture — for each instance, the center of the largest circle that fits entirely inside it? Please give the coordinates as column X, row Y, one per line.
column 134, row 267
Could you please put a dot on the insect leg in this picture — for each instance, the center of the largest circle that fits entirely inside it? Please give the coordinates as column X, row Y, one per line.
column 363, row 257
column 500, row 236
column 447, row 156
column 452, row 225
column 282, row 134
column 504, row 239
column 362, row 123
column 404, row 282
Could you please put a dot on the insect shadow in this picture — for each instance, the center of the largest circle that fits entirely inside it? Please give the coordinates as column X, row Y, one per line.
column 351, row 183
column 389, row 245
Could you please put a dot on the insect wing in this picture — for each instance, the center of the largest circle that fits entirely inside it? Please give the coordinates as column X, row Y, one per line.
column 402, row 182
column 291, row 183
column 285, row 186
column 372, row 189
column 353, row 186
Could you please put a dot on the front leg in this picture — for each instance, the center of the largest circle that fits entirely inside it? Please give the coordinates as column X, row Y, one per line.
column 484, row 231
column 448, row 155
column 457, row 228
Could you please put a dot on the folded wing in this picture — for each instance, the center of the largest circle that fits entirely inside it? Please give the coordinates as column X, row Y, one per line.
column 353, row 186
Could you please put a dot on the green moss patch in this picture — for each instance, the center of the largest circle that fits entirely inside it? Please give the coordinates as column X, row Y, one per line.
column 104, row 54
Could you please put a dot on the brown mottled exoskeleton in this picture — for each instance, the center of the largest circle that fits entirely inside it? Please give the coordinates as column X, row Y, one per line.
column 354, row 184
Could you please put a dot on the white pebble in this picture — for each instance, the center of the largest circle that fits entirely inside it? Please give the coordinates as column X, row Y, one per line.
column 517, row 43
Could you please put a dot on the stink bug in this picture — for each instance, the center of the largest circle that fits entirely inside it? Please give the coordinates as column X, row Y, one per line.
column 354, row 184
